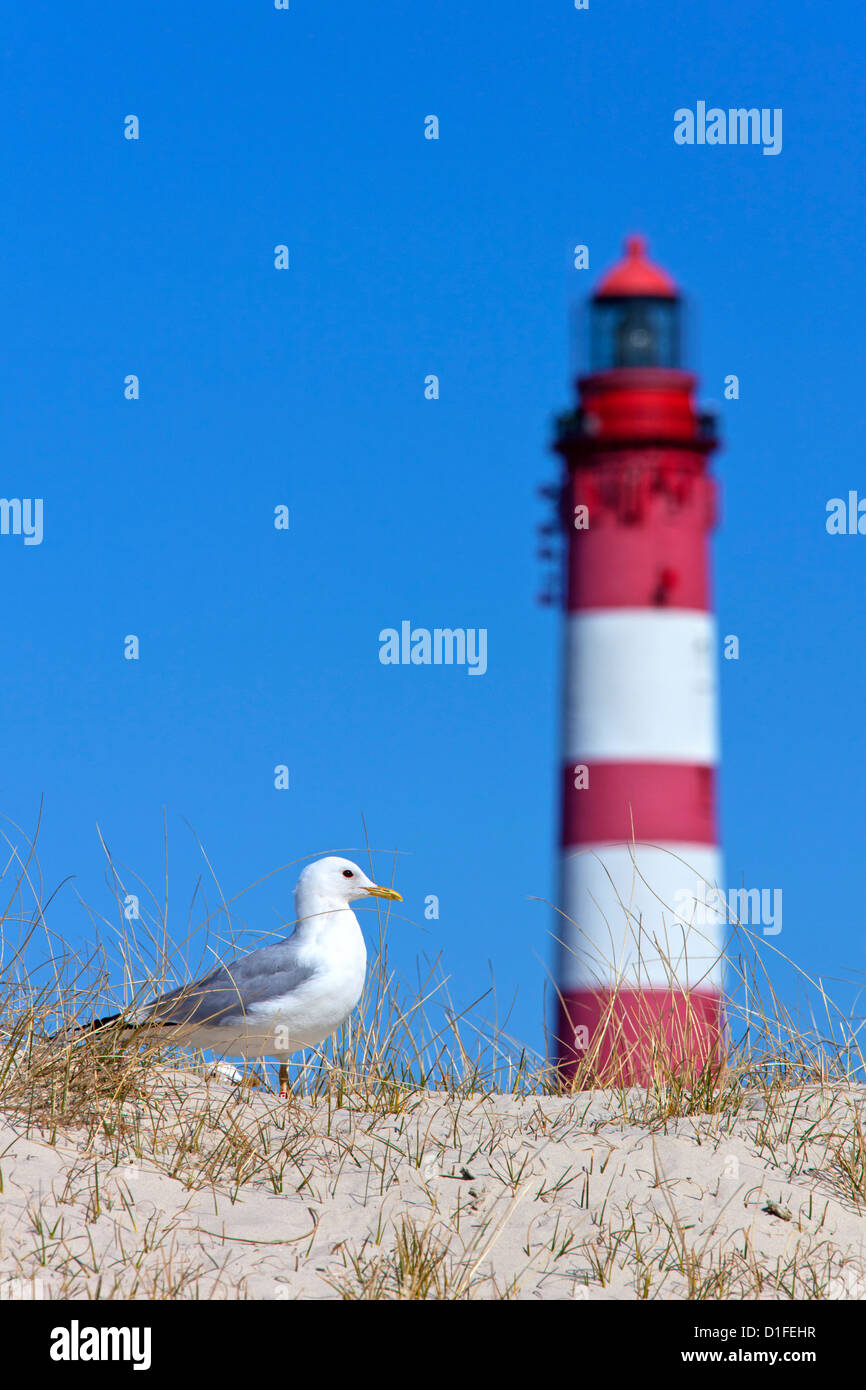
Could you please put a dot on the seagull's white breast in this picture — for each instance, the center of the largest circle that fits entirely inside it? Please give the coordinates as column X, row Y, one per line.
column 332, row 945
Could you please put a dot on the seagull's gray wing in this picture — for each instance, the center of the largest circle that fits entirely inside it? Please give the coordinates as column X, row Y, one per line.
column 225, row 997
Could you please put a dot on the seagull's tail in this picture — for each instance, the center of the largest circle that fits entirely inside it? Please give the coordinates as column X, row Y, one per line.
column 80, row 1031
column 96, row 1023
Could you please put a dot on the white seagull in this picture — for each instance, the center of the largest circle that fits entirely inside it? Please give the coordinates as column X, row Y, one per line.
column 273, row 1001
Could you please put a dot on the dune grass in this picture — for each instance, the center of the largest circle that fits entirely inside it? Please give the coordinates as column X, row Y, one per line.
column 519, row 1186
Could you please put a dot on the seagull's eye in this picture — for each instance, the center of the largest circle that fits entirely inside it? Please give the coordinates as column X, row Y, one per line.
column 347, row 873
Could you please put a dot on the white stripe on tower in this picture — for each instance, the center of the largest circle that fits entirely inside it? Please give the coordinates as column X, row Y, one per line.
column 641, row 686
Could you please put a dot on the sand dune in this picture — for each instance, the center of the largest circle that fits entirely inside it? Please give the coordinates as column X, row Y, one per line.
column 591, row 1196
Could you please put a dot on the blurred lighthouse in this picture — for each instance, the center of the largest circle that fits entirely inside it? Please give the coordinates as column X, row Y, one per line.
column 640, row 933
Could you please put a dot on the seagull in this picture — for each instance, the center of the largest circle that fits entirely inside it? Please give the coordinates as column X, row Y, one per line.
column 273, row 1001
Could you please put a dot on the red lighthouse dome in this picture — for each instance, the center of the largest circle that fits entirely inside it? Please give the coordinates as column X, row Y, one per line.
column 636, row 274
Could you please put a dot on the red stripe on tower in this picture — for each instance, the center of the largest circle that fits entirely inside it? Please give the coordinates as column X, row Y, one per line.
column 640, row 936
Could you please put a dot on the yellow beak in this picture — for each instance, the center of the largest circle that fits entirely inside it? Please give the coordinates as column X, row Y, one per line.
column 390, row 893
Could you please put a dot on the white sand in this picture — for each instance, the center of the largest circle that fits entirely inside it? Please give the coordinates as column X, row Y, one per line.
column 537, row 1198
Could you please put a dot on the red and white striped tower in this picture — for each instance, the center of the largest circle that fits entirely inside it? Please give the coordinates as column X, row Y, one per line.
column 640, row 932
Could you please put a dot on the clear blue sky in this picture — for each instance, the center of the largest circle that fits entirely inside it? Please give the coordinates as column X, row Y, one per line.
column 408, row 257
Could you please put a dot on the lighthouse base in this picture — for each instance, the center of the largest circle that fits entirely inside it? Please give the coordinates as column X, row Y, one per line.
column 632, row 1037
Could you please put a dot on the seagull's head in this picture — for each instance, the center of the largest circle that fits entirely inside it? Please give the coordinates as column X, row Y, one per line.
column 333, row 883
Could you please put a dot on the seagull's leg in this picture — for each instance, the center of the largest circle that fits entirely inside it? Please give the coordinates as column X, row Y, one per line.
column 284, row 1081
